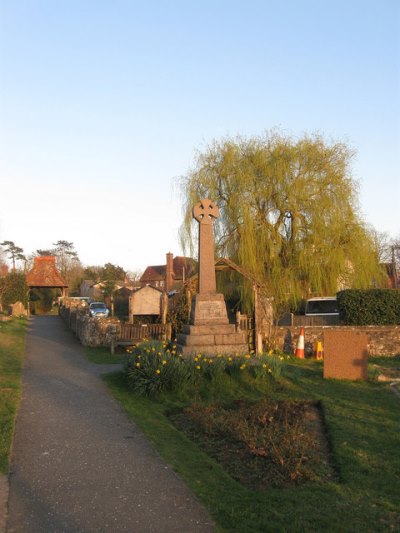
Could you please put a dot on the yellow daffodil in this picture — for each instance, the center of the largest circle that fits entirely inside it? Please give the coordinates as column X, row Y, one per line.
column 158, row 371
column 164, row 362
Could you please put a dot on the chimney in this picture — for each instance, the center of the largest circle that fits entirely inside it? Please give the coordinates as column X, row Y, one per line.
column 169, row 272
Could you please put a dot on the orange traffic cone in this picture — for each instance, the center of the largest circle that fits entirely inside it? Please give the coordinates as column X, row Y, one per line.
column 300, row 345
column 318, row 350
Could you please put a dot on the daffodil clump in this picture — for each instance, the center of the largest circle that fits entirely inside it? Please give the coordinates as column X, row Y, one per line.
column 155, row 366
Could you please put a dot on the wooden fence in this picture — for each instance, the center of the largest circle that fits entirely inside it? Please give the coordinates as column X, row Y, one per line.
column 246, row 323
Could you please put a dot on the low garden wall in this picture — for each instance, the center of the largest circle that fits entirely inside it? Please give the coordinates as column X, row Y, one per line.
column 382, row 340
column 90, row 331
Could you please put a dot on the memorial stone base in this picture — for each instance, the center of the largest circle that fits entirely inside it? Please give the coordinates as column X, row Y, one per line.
column 209, row 331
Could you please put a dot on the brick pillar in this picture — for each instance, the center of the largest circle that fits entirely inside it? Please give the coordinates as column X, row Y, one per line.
column 169, row 272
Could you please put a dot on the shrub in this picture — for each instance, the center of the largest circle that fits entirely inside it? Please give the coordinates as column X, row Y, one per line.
column 13, row 288
column 178, row 312
column 369, row 307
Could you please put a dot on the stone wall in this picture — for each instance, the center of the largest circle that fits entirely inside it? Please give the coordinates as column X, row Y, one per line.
column 382, row 340
column 90, row 331
column 96, row 331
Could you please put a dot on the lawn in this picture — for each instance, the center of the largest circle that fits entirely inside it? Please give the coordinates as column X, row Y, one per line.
column 12, row 348
column 362, row 427
column 102, row 355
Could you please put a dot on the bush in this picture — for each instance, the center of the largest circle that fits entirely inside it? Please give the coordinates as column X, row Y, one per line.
column 178, row 312
column 13, row 288
column 380, row 307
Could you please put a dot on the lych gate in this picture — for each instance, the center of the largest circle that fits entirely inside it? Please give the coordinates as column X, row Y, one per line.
column 45, row 274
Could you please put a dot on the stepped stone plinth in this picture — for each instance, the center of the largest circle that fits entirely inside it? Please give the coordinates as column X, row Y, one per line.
column 209, row 331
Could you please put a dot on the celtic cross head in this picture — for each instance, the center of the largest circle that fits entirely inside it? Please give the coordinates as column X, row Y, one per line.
column 205, row 212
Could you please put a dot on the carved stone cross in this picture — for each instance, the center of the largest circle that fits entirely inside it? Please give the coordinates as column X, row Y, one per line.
column 206, row 212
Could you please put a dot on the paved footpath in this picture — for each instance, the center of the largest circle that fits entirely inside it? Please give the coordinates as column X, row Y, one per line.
column 78, row 463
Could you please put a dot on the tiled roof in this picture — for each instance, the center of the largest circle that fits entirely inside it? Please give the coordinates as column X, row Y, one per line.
column 44, row 273
column 186, row 263
column 157, row 272
column 153, row 273
column 3, row 270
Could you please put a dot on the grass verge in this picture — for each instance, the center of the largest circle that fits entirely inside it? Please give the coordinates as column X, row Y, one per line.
column 102, row 355
column 12, row 348
column 361, row 420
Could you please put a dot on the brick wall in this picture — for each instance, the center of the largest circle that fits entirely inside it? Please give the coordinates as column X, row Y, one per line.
column 382, row 340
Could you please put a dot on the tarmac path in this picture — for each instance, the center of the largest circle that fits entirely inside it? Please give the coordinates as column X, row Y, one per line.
column 78, row 463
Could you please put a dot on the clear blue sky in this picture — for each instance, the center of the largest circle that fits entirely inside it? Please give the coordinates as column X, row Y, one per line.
column 103, row 104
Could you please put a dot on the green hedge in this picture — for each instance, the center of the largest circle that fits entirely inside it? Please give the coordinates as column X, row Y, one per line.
column 373, row 307
column 13, row 288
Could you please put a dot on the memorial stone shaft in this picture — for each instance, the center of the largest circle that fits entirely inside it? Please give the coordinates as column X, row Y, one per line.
column 206, row 212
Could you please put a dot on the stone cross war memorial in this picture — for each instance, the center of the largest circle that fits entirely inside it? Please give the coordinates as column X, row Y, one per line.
column 209, row 331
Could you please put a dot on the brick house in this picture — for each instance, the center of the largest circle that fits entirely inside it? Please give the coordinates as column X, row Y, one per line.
column 171, row 275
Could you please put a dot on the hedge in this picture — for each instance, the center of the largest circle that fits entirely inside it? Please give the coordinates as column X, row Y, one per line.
column 373, row 307
column 13, row 288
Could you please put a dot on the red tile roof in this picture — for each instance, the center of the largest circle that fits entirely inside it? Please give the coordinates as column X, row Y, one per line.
column 153, row 273
column 3, row 270
column 44, row 273
column 157, row 272
column 186, row 263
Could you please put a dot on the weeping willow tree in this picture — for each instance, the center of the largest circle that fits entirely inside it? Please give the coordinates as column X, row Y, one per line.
column 288, row 214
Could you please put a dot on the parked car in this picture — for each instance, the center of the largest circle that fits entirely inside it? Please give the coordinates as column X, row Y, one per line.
column 98, row 309
column 322, row 306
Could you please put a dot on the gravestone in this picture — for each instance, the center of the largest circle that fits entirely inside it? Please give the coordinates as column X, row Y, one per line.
column 17, row 309
column 345, row 355
column 209, row 331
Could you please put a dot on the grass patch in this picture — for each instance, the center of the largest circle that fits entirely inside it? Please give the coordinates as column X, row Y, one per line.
column 384, row 366
column 362, row 425
column 12, row 348
column 102, row 355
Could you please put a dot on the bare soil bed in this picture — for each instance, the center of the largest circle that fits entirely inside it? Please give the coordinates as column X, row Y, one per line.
column 264, row 444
